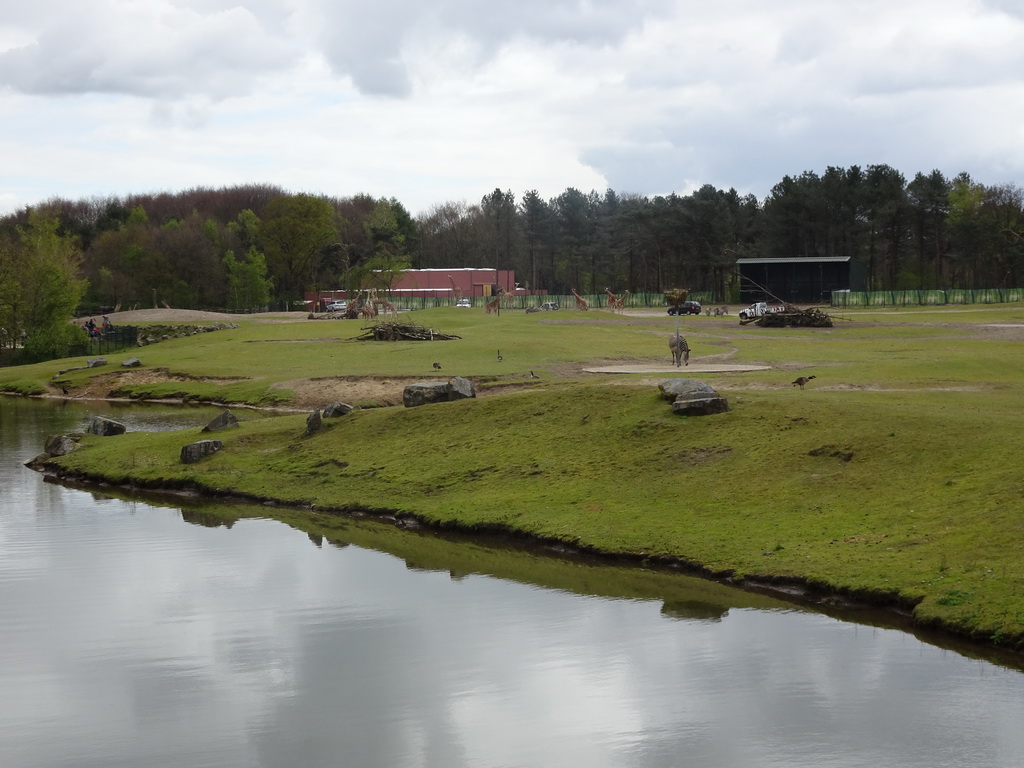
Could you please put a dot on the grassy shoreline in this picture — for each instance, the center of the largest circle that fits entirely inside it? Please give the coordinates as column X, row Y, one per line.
column 893, row 480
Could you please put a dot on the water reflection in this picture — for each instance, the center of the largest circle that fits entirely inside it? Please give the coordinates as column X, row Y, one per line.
column 131, row 638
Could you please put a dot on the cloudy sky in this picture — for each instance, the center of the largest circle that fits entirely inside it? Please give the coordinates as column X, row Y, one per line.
column 431, row 101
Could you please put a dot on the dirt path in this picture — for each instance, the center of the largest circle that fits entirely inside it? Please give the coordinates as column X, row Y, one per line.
column 163, row 315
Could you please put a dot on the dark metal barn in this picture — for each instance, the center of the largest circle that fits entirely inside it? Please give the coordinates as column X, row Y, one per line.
column 799, row 280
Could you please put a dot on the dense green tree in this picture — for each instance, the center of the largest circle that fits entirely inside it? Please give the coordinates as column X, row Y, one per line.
column 575, row 216
column 887, row 210
column 249, row 288
column 966, row 229
column 1003, row 211
column 928, row 198
column 41, row 288
column 448, row 237
column 537, row 227
column 294, row 232
column 387, row 230
column 499, row 228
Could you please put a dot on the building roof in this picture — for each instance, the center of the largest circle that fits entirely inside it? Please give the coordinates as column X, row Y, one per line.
column 456, row 269
column 796, row 260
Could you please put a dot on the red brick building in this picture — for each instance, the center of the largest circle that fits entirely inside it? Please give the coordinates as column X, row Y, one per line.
column 440, row 284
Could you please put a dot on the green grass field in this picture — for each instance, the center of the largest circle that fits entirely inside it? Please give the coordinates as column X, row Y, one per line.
column 894, row 476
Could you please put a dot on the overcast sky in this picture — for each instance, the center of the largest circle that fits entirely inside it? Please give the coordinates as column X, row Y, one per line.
column 431, row 101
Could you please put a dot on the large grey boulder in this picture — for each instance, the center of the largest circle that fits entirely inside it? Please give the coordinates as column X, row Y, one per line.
column 700, row 406
column 131, row 362
column 105, row 427
column 691, row 397
column 59, row 445
column 424, row 392
column 197, row 451
column 225, row 420
column 314, row 423
column 334, row 410
column 95, row 362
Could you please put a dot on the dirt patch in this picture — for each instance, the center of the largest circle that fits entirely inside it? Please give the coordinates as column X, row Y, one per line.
column 680, row 371
column 355, row 390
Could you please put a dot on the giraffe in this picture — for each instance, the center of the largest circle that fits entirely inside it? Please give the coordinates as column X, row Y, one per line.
column 456, row 289
column 581, row 303
column 363, row 307
column 680, row 349
column 508, row 298
column 623, row 299
column 614, row 302
column 386, row 306
column 492, row 305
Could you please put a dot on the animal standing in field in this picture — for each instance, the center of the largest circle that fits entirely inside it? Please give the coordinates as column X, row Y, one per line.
column 581, row 303
column 803, row 380
column 492, row 305
column 385, row 306
column 614, row 302
column 680, row 350
column 507, row 298
column 456, row 289
column 437, row 366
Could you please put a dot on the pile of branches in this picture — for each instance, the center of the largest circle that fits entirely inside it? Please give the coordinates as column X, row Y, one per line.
column 794, row 317
column 402, row 332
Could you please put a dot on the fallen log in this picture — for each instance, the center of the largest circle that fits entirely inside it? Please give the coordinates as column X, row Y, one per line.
column 794, row 317
column 402, row 332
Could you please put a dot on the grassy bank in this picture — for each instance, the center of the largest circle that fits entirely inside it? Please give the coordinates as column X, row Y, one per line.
column 893, row 476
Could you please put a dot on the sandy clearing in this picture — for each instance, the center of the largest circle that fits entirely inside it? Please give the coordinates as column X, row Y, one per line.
column 692, row 368
column 163, row 315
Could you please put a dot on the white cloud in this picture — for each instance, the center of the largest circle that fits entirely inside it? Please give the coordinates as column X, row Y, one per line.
column 150, row 49
column 429, row 102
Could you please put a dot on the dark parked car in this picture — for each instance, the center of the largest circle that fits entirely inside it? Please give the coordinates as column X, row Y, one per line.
column 686, row 308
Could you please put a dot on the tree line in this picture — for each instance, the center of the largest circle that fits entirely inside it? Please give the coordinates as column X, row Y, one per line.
column 253, row 246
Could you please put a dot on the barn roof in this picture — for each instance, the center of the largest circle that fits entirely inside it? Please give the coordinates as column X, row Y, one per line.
column 796, row 260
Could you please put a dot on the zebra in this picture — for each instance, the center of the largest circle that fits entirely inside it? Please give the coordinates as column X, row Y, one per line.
column 680, row 350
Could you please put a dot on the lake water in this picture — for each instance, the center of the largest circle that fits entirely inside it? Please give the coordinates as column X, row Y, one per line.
column 150, row 634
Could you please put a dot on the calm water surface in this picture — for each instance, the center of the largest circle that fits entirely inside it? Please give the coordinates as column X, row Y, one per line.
column 131, row 636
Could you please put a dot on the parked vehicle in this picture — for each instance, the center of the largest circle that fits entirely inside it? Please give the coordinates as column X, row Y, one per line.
column 759, row 309
column 463, row 303
column 549, row 305
column 338, row 306
column 686, row 308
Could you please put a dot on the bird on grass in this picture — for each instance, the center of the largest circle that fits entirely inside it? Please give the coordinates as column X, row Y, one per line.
column 534, row 375
column 500, row 358
column 803, row 380
column 437, row 366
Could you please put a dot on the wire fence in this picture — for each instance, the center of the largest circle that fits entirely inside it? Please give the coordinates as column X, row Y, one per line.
column 926, row 298
column 114, row 339
column 594, row 300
